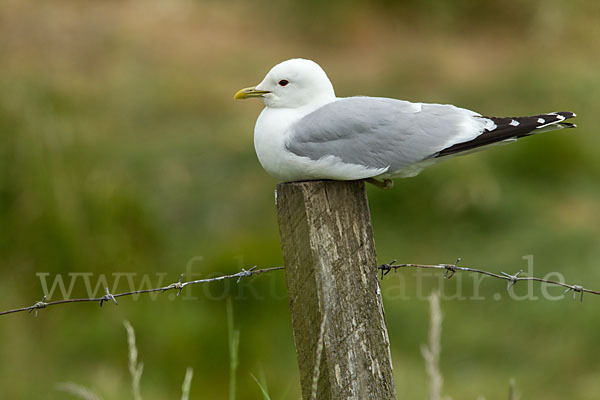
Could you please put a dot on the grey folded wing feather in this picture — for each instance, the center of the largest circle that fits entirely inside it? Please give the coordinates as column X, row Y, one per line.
column 380, row 132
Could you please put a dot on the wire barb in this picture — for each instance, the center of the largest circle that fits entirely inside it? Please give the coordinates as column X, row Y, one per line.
column 386, row 268
column 511, row 280
column 177, row 285
column 451, row 269
column 108, row 297
column 37, row 306
column 245, row 273
column 576, row 289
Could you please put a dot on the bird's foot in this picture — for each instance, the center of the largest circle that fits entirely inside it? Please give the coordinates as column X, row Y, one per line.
column 384, row 184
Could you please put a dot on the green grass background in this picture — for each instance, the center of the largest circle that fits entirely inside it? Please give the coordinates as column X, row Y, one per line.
column 122, row 150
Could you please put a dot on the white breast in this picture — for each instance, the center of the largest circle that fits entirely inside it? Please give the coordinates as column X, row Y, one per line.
column 270, row 132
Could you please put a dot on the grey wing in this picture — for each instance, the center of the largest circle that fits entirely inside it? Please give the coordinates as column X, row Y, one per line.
column 380, row 132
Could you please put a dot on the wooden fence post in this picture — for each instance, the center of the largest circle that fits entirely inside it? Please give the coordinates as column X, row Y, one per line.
column 333, row 288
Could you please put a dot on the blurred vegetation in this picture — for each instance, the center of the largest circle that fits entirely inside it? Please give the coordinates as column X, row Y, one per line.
column 122, row 151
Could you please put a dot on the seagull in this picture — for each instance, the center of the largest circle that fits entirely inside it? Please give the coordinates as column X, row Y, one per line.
column 305, row 132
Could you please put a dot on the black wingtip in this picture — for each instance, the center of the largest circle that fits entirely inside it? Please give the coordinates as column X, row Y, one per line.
column 566, row 114
column 513, row 128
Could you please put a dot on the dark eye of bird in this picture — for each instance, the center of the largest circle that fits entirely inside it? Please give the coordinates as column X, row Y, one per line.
column 283, row 82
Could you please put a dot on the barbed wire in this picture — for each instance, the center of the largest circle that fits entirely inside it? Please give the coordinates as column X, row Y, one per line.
column 173, row 286
column 511, row 280
column 385, row 269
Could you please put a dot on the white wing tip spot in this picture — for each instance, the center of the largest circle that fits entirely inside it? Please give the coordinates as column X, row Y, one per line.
column 490, row 125
column 514, row 122
column 541, row 120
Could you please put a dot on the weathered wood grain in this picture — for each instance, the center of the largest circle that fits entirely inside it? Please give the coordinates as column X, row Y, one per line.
column 331, row 271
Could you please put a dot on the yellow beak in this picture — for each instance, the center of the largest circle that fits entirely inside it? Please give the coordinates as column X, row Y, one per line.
column 247, row 93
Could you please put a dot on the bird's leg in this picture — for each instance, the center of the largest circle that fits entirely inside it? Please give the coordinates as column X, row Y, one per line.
column 384, row 184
